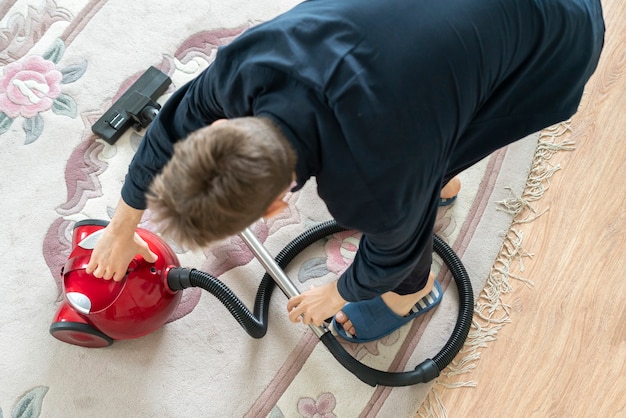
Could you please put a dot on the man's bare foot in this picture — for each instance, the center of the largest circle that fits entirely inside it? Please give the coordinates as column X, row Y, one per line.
column 451, row 189
column 400, row 304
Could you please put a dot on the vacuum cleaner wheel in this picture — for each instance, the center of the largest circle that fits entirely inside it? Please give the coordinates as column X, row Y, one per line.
column 79, row 334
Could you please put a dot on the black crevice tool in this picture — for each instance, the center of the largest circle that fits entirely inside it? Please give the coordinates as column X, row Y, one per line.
column 137, row 107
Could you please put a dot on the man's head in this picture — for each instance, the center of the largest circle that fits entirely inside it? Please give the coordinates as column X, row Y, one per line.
column 221, row 179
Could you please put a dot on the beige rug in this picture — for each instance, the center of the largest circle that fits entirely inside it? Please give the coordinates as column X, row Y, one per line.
column 63, row 64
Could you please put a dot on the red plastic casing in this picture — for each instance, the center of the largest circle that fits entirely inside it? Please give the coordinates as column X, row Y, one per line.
column 133, row 307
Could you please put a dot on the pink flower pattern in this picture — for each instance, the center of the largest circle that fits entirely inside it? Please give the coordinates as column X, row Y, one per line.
column 29, row 87
column 32, row 85
column 340, row 250
column 321, row 408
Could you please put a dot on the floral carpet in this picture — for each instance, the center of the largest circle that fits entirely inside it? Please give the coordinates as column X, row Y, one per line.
column 62, row 65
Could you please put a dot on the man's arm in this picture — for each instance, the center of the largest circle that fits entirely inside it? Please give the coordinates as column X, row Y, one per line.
column 189, row 108
column 118, row 245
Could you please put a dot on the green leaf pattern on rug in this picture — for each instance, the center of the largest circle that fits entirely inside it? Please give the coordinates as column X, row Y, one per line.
column 55, row 53
column 29, row 406
column 32, row 86
column 312, row 268
column 73, row 72
column 65, row 105
column 33, row 127
column 5, row 124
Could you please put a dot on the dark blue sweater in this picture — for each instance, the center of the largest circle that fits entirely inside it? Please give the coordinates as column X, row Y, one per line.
column 383, row 100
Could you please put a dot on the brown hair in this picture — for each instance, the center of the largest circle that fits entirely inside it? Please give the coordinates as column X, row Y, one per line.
column 220, row 180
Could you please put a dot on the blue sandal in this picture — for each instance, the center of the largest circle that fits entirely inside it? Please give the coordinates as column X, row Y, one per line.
column 372, row 319
column 447, row 201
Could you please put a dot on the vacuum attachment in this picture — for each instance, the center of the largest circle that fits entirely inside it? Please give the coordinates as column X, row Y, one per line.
column 137, row 107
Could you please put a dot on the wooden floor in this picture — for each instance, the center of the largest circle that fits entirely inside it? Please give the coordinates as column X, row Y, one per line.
column 564, row 353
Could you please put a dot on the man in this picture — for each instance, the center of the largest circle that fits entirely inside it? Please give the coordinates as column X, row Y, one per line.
column 384, row 102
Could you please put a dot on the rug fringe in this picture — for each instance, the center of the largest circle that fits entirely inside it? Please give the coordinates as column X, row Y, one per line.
column 433, row 405
column 491, row 311
column 540, row 174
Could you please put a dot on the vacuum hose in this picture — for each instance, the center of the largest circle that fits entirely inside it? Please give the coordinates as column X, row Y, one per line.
column 255, row 323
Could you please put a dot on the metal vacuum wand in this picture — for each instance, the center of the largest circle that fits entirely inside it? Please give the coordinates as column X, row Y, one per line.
column 269, row 264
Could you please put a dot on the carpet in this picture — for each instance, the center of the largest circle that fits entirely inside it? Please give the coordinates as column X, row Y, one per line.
column 63, row 64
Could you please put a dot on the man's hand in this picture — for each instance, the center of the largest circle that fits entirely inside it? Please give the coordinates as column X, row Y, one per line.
column 316, row 305
column 114, row 252
column 118, row 245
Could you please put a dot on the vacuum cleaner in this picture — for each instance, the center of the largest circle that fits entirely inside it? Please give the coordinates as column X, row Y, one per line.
column 95, row 312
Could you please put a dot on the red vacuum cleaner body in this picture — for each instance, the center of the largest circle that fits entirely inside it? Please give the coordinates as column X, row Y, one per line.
column 95, row 312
